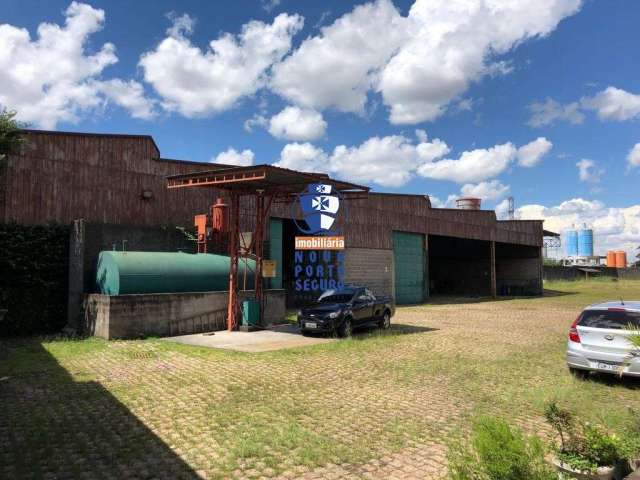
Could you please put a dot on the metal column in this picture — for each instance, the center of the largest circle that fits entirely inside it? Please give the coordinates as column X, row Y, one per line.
column 258, row 250
column 232, row 308
column 493, row 269
column 263, row 206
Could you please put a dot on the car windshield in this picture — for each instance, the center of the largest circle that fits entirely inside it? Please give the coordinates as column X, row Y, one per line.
column 337, row 296
column 611, row 319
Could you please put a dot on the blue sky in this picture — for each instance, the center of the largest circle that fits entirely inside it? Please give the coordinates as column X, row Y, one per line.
column 390, row 94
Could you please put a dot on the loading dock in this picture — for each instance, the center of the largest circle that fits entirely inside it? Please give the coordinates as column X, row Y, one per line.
column 518, row 269
column 459, row 266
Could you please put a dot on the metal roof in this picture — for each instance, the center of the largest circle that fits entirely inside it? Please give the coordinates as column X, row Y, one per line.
column 251, row 179
column 549, row 233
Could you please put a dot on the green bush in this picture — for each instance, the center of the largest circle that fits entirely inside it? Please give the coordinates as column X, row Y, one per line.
column 33, row 278
column 497, row 451
column 631, row 437
column 585, row 447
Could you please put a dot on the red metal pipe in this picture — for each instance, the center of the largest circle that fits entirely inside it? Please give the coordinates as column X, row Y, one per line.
column 232, row 308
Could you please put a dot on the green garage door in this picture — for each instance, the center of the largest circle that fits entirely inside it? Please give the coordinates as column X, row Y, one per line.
column 409, row 260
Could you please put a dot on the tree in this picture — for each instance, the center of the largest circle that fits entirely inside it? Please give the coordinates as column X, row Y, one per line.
column 10, row 135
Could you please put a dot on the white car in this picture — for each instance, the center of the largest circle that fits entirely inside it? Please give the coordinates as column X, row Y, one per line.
column 598, row 340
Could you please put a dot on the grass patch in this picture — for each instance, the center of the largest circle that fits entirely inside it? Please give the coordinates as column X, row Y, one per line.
column 154, row 407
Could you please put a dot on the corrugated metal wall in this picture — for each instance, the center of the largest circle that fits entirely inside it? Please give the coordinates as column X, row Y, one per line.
column 63, row 176
column 371, row 222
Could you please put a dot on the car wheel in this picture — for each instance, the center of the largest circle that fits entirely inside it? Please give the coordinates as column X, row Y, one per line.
column 344, row 330
column 579, row 373
column 385, row 322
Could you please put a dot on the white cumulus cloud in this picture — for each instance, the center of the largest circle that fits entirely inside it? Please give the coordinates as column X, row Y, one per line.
column 614, row 104
column 339, row 66
column 614, row 228
column 197, row 83
column 129, row 95
column 610, row 104
column 502, row 210
column 588, row 171
column 492, row 190
column 304, row 157
column 634, row 156
column 484, row 163
column 453, row 43
column 233, row 157
column 388, row 161
column 529, row 155
column 256, row 121
column 394, row 160
column 472, row 166
column 297, row 124
column 421, row 62
column 52, row 78
column 547, row 112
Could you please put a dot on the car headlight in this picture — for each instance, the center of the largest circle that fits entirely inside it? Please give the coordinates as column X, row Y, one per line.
column 334, row 314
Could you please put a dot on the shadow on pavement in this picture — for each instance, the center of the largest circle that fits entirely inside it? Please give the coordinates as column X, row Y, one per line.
column 367, row 332
column 52, row 426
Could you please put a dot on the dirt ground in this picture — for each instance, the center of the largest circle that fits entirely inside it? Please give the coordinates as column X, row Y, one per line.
column 380, row 405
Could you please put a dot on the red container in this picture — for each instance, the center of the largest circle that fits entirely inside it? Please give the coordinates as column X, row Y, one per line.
column 220, row 216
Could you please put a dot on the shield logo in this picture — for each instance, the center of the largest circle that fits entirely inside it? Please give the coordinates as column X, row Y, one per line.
column 319, row 207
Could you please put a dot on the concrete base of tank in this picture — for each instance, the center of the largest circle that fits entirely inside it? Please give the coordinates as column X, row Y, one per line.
column 275, row 338
column 167, row 314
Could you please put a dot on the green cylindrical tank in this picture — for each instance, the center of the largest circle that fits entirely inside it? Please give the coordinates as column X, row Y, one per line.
column 121, row 273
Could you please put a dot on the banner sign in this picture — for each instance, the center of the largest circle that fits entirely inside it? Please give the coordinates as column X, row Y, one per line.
column 319, row 243
column 319, row 251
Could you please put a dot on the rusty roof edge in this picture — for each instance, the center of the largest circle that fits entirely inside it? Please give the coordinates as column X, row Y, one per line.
column 221, row 166
column 409, row 195
column 521, row 220
column 311, row 175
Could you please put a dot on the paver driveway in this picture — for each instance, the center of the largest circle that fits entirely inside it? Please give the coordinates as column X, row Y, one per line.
column 376, row 406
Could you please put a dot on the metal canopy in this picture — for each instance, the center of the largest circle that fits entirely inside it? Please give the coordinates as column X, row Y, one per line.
column 259, row 178
column 265, row 183
column 549, row 233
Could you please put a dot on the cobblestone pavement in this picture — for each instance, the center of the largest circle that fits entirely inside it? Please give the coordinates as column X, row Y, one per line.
column 377, row 406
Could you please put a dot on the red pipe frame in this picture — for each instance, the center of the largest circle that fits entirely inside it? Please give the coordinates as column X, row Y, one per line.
column 257, row 245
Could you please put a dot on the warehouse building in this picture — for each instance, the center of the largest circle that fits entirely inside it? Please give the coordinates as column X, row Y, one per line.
column 396, row 244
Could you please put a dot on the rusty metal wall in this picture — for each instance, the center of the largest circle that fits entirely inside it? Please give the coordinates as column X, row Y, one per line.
column 59, row 177
column 371, row 222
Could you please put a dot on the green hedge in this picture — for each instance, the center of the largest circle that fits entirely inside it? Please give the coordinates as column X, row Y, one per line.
column 33, row 278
